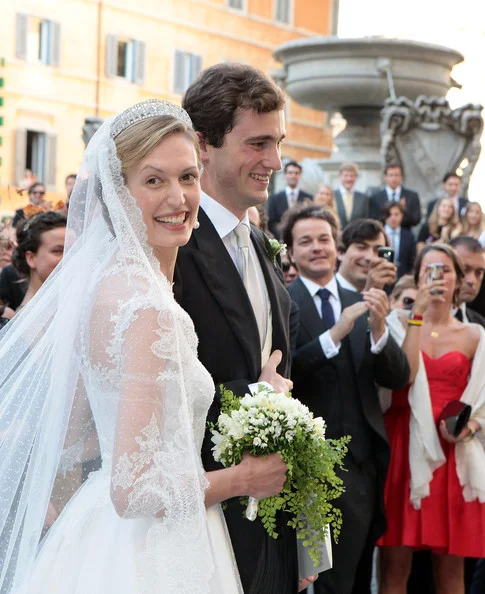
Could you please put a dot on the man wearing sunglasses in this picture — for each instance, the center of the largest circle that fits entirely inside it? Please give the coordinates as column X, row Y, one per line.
column 403, row 293
column 36, row 198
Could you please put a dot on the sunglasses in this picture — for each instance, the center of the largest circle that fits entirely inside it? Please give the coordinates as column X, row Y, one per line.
column 408, row 301
column 38, row 192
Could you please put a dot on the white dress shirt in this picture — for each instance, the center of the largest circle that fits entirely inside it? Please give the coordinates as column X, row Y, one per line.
column 462, row 306
column 329, row 347
column 225, row 222
column 390, row 192
column 292, row 195
column 345, row 284
column 394, row 239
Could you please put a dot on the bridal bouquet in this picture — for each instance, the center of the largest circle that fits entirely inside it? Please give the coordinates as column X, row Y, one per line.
column 268, row 423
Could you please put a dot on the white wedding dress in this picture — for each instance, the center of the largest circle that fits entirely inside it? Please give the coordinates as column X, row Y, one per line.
column 103, row 361
column 90, row 549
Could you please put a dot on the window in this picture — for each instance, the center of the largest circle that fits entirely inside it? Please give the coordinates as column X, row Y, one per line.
column 36, row 150
column 186, row 69
column 239, row 4
column 282, row 11
column 125, row 58
column 38, row 40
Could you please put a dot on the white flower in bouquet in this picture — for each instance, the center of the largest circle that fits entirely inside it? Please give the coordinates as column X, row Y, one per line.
column 270, row 422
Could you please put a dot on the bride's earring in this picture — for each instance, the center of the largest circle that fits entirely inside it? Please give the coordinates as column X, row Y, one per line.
column 196, row 225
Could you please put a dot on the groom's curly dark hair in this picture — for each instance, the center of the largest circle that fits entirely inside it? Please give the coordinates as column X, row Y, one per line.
column 215, row 98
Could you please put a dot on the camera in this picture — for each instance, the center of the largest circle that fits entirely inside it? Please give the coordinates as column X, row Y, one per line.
column 387, row 253
column 435, row 271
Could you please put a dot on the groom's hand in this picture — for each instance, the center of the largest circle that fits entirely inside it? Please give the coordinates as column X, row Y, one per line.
column 270, row 375
column 306, row 582
column 265, row 475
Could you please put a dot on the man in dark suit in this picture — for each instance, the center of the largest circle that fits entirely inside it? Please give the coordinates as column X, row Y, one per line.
column 395, row 192
column 472, row 257
column 279, row 203
column 344, row 349
column 401, row 239
column 232, row 287
column 452, row 188
column 351, row 205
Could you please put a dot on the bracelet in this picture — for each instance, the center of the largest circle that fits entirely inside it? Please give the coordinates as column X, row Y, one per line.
column 415, row 316
column 412, row 322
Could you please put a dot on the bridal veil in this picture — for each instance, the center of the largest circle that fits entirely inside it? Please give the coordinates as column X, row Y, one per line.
column 98, row 363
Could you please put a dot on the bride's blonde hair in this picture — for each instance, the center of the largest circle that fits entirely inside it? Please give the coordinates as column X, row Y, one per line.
column 136, row 142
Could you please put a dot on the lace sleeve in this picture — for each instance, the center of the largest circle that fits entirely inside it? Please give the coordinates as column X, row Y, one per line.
column 156, row 469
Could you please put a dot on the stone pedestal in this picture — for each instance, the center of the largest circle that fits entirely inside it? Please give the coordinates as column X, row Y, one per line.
column 355, row 77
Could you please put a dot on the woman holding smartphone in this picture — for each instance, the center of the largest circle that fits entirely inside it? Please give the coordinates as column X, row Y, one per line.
column 435, row 489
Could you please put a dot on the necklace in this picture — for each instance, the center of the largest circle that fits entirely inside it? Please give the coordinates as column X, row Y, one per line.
column 434, row 334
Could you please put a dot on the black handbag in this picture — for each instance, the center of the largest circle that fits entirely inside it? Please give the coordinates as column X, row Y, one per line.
column 456, row 415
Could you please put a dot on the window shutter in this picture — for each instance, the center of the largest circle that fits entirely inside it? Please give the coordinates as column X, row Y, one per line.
column 111, row 56
column 51, row 160
column 54, row 43
column 196, row 67
column 140, row 59
column 22, row 23
column 20, row 154
column 283, row 11
column 179, row 77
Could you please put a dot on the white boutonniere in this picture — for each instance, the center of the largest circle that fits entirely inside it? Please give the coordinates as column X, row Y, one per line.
column 274, row 247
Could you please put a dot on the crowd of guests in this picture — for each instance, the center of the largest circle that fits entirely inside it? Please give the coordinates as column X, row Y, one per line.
column 333, row 242
column 368, row 334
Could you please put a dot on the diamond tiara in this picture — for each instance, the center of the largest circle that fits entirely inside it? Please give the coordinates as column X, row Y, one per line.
column 148, row 109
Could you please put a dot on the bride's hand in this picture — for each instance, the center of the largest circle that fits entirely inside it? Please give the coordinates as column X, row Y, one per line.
column 265, row 475
column 306, row 582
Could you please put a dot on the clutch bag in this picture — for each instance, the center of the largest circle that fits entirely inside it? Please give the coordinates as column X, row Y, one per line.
column 456, row 415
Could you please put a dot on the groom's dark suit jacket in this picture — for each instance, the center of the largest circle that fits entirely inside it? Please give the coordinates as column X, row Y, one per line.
column 343, row 391
column 209, row 287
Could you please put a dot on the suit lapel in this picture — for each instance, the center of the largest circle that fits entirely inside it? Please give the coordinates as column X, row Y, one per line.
column 310, row 319
column 358, row 336
column 227, row 288
column 276, row 292
column 341, row 209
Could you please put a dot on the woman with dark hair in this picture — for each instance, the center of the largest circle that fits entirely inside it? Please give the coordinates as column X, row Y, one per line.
column 435, row 487
column 40, row 247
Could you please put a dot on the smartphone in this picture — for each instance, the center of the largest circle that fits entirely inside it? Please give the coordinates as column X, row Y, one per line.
column 435, row 271
column 387, row 253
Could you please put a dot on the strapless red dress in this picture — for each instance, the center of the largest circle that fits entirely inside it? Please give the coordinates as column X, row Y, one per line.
column 445, row 523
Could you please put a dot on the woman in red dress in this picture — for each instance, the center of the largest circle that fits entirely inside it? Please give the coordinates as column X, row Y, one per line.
column 431, row 494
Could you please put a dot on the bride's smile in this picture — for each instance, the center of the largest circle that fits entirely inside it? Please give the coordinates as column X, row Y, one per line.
column 166, row 187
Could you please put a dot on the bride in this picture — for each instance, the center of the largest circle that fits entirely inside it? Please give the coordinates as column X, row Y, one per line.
column 103, row 362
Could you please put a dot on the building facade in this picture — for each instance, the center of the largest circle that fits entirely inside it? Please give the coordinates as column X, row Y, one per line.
column 65, row 61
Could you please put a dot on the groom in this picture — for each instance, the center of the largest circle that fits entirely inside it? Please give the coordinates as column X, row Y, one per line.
column 235, row 295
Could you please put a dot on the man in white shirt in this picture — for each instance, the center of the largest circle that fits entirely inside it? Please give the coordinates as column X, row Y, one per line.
column 279, row 203
column 395, row 192
column 451, row 189
column 343, row 349
column 229, row 285
column 360, row 267
column 401, row 239
column 351, row 205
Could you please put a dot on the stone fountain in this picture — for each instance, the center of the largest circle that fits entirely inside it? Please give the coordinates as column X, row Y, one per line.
column 355, row 77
